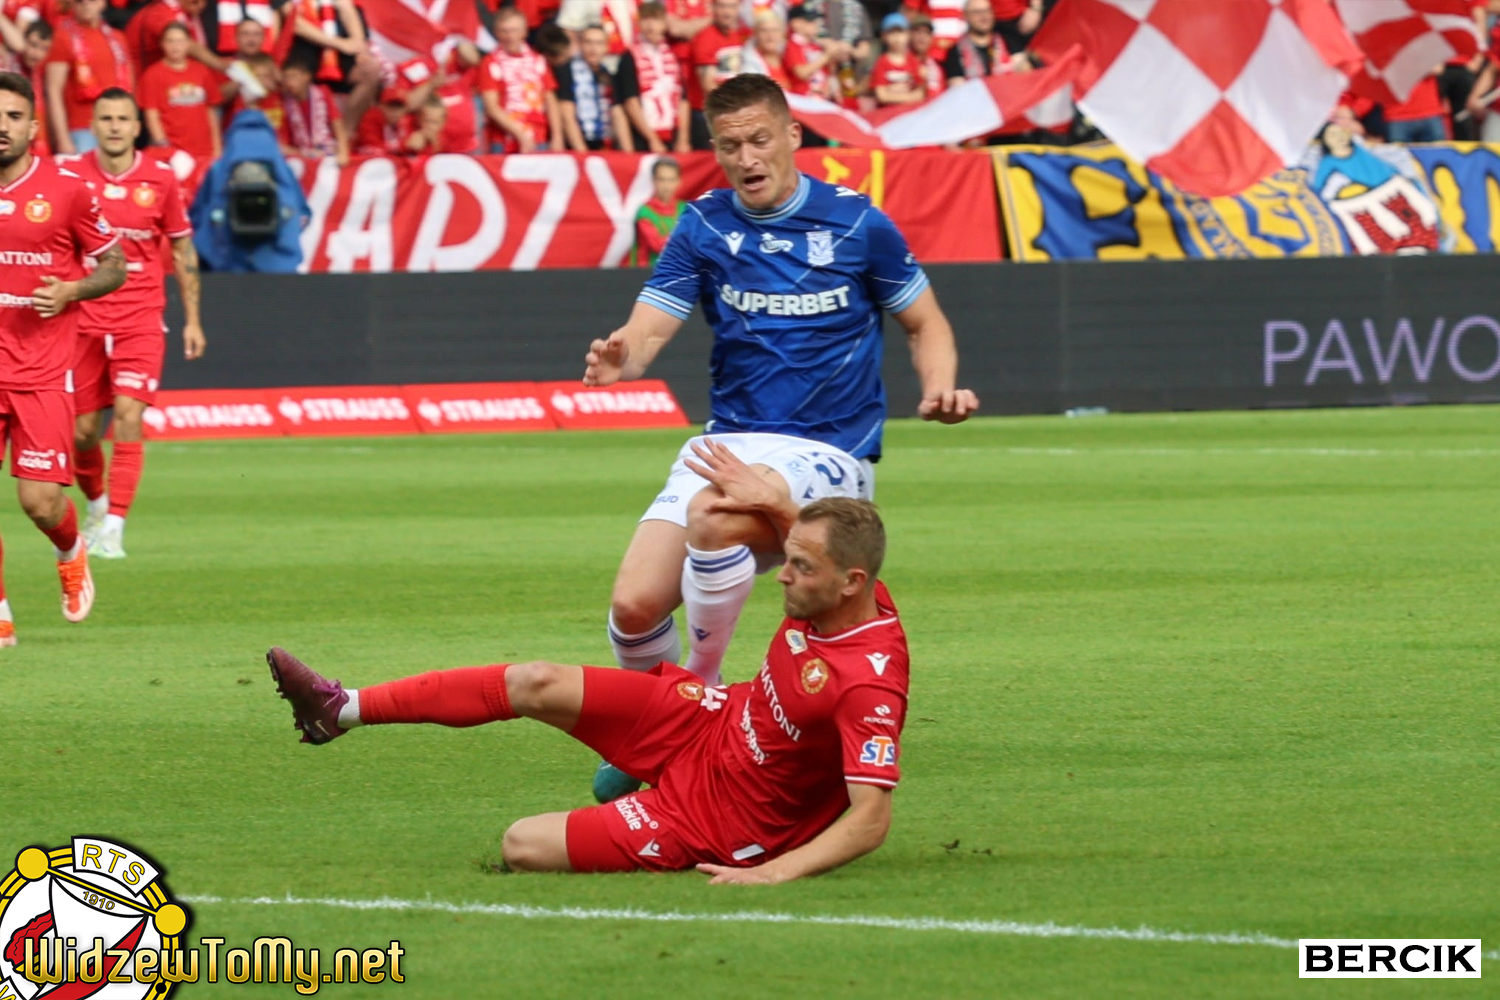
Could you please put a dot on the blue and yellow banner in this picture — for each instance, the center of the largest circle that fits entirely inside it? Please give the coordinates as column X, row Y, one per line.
column 1094, row 203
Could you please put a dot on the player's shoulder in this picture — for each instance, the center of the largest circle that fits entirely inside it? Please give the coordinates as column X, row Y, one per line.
column 872, row 652
column 838, row 197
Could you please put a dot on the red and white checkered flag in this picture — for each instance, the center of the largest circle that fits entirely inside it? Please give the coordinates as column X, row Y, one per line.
column 1214, row 96
column 1403, row 40
column 1009, row 103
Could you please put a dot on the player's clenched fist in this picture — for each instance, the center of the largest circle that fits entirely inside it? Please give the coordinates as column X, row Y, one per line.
column 605, row 361
column 52, row 297
column 951, row 407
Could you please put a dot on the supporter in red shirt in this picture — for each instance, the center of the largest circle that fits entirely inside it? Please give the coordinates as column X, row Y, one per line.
column 268, row 75
column 981, row 51
column 648, row 85
column 934, row 80
column 143, row 33
column 456, row 88
column 385, row 128
column 331, row 37
column 618, row 18
column 311, row 126
column 180, row 99
column 87, row 58
column 431, row 132
column 685, row 18
column 808, row 58
column 897, row 77
column 715, row 58
column 519, row 91
column 763, row 52
column 54, row 222
column 1421, row 117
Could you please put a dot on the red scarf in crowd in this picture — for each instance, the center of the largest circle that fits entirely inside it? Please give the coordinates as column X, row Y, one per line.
column 88, row 86
column 973, row 62
column 325, row 14
column 233, row 13
column 308, row 126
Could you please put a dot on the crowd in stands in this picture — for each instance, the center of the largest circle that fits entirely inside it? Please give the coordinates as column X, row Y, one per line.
column 538, row 75
column 541, row 75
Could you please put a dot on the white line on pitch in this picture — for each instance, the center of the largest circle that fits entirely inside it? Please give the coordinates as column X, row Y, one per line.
column 1105, row 451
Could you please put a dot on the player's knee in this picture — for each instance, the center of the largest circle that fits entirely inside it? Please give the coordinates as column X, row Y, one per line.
column 711, row 530
column 87, row 431
column 635, row 615
column 42, row 502
column 529, row 685
column 523, row 850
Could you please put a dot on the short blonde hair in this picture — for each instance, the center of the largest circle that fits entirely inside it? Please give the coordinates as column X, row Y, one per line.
column 856, row 535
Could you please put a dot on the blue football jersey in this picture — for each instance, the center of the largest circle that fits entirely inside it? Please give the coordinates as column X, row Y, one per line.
column 794, row 297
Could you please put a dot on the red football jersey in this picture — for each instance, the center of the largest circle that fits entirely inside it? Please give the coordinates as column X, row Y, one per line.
column 824, row 710
column 49, row 219
column 143, row 205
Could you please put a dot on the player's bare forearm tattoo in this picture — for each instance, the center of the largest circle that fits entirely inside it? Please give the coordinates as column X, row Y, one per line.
column 185, row 257
column 109, row 275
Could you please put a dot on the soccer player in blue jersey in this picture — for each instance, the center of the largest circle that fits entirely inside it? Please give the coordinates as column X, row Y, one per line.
column 793, row 275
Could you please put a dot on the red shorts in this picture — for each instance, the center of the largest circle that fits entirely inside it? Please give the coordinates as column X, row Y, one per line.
column 639, row 722
column 117, row 364
column 39, row 427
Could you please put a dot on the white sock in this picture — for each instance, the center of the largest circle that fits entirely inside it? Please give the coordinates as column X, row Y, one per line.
column 5, row 610
column 349, row 714
column 70, row 554
column 645, row 650
column 99, row 507
column 715, row 587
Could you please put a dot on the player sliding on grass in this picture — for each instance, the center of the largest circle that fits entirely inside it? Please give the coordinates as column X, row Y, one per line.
column 786, row 775
column 792, row 275
column 48, row 221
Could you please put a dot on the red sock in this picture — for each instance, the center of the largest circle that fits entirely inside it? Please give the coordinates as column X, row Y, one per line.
column 2, row 576
column 467, row 696
column 124, row 475
column 88, row 467
column 65, row 533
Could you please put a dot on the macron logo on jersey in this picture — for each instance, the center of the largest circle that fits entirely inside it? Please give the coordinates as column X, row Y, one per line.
column 878, row 662
column 807, row 304
column 735, row 241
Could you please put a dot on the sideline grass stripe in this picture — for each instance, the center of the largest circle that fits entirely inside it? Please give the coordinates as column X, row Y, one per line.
column 1008, row 928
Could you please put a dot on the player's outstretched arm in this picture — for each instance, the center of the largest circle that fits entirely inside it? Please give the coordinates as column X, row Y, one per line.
column 934, row 354
column 627, row 353
column 853, row 835
column 54, row 294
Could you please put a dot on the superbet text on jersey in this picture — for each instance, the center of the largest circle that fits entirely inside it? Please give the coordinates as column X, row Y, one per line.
column 49, row 219
column 794, row 296
column 143, row 204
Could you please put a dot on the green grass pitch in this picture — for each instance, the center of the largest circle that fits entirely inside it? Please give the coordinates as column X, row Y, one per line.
column 1204, row 674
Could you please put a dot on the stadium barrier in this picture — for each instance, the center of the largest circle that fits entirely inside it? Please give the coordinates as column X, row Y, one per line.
column 448, row 408
column 1040, row 338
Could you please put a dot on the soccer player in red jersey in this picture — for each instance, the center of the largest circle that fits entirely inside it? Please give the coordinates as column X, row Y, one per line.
column 786, row 775
column 49, row 221
column 121, row 343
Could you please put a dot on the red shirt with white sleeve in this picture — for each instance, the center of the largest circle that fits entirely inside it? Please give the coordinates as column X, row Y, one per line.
column 184, row 99
column 802, row 52
column 144, row 205
column 522, row 82
column 49, row 221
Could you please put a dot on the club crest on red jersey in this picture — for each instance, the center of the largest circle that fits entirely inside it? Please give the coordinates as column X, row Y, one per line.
column 144, row 196
column 814, row 675
column 38, row 210
column 691, row 690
